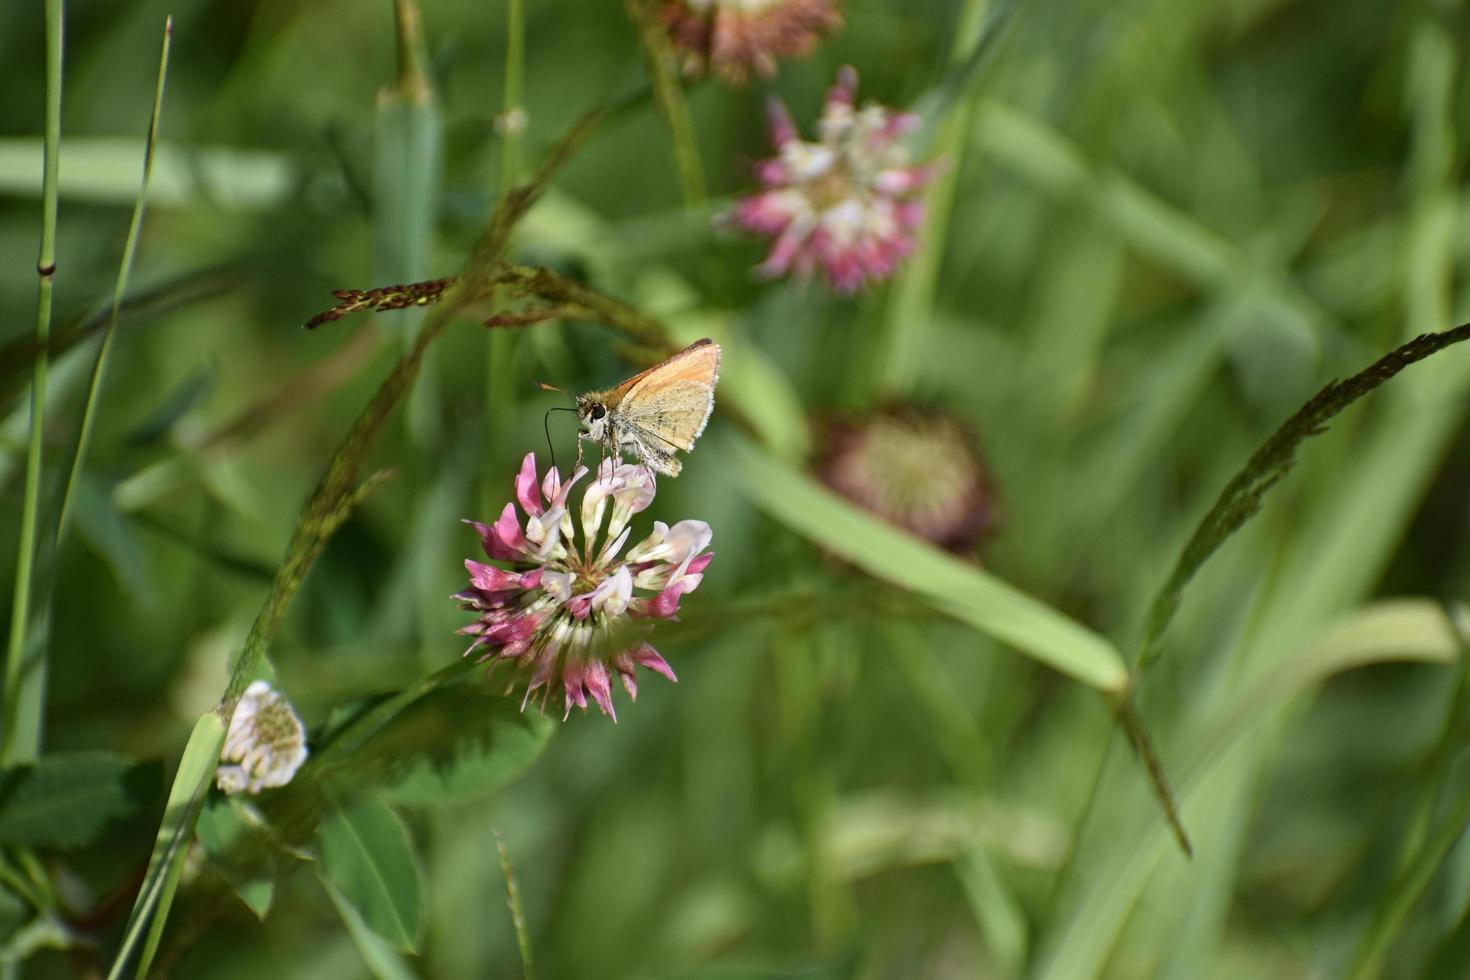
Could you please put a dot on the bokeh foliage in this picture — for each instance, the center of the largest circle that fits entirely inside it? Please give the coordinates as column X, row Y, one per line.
column 1163, row 227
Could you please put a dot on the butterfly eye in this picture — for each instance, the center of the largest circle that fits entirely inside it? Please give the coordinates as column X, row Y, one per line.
column 598, row 412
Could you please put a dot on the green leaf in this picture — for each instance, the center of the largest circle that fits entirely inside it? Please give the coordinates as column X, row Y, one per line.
column 257, row 894
column 196, row 769
column 69, row 799
column 382, row 961
column 221, row 832
column 952, row 586
column 469, row 745
column 458, row 745
column 366, row 852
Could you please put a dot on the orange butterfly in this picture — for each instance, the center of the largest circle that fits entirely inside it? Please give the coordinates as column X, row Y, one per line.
column 656, row 411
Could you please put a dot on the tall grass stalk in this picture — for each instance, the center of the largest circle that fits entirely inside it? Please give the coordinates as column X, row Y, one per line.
column 25, row 678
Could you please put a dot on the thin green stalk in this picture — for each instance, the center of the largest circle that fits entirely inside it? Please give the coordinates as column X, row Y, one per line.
column 517, row 911
column 25, row 681
column 89, row 409
column 669, row 96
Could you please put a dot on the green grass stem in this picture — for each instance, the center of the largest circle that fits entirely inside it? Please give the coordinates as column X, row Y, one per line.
column 25, row 676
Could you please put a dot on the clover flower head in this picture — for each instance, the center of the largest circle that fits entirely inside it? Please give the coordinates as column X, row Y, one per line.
column 915, row 468
column 845, row 205
column 265, row 744
column 737, row 38
column 572, row 611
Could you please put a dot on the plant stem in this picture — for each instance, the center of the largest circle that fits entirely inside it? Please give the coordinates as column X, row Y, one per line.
column 671, row 103
column 517, row 911
column 911, row 305
column 25, row 684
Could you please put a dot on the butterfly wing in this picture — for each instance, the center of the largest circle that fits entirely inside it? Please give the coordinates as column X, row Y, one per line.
column 672, row 401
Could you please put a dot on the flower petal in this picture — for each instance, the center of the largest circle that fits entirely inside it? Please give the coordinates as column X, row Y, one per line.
column 648, row 657
column 489, row 578
column 526, row 486
column 612, row 595
column 599, row 685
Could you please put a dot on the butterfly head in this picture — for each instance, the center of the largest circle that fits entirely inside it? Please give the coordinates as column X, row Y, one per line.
column 593, row 415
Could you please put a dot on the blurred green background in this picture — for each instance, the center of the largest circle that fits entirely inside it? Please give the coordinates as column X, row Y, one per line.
column 1162, row 227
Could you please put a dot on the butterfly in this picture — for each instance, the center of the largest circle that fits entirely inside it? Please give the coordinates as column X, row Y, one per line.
column 655, row 412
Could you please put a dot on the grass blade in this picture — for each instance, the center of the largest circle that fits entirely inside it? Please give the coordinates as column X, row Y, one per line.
column 960, row 590
column 25, row 679
column 406, row 191
column 196, row 769
column 125, row 268
column 950, row 585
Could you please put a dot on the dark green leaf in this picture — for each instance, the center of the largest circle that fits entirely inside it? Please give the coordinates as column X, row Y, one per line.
column 456, row 745
column 13, row 912
column 249, row 871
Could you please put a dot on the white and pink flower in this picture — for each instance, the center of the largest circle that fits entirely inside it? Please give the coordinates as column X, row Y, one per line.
column 573, row 611
column 845, row 205
column 265, row 743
